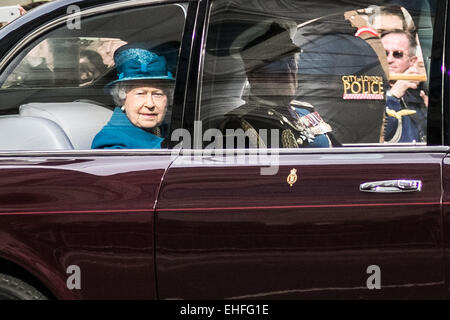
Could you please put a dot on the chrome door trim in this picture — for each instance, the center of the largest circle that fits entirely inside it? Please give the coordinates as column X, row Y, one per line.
column 224, row 152
column 89, row 153
column 391, row 186
column 325, row 151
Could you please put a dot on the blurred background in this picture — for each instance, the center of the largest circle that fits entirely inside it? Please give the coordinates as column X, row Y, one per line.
column 21, row 2
column 27, row 5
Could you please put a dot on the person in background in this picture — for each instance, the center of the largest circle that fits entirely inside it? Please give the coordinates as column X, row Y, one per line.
column 91, row 66
column 405, row 106
column 388, row 18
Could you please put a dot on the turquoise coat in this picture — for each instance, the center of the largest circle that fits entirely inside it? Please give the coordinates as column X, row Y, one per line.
column 120, row 133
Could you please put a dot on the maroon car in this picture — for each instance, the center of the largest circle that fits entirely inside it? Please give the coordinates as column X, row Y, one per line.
column 337, row 189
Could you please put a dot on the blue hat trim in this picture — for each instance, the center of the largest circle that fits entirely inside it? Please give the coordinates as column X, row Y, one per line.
column 139, row 64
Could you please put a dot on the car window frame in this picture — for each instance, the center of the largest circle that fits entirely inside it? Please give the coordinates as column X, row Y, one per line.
column 444, row 116
column 437, row 128
column 187, row 40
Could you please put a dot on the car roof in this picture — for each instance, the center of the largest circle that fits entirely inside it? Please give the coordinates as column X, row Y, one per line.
column 20, row 27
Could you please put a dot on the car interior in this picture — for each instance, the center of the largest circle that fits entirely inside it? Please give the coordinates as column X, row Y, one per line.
column 329, row 50
column 80, row 107
column 50, row 106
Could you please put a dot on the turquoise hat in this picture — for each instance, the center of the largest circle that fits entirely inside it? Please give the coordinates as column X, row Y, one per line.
column 136, row 63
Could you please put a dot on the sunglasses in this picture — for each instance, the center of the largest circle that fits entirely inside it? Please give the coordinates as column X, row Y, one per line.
column 396, row 54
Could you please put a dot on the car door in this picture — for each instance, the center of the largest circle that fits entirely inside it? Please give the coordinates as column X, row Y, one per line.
column 361, row 219
column 80, row 222
column 446, row 177
column 234, row 233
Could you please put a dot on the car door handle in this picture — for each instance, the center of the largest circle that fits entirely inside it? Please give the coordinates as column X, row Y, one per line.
column 391, row 186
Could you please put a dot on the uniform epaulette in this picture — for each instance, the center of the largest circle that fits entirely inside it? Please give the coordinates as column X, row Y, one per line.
column 302, row 104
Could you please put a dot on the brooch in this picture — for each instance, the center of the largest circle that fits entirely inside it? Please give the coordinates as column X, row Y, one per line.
column 292, row 177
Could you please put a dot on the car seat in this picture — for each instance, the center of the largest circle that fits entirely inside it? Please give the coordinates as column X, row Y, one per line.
column 31, row 133
column 80, row 120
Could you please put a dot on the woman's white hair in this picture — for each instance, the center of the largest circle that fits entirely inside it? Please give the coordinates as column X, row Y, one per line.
column 119, row 92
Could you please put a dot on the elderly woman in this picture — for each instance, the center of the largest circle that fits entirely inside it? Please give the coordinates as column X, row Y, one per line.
column 142, row 89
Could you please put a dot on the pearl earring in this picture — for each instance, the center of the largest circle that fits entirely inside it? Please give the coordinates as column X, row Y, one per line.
column 123, row 108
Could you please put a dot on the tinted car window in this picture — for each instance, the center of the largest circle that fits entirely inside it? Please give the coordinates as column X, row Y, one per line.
column 60, row 58
column 61, row 76
column 92, row 59
column 344, row 79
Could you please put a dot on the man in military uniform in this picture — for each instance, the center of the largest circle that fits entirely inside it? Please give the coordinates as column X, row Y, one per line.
column 270, row 61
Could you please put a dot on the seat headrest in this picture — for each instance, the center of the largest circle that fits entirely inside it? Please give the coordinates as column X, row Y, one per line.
column 81, row 121
column 31, row 133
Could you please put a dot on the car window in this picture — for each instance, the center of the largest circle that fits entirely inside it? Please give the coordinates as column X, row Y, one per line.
column 60, row 77
column 297, row 74
column 93, row 59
